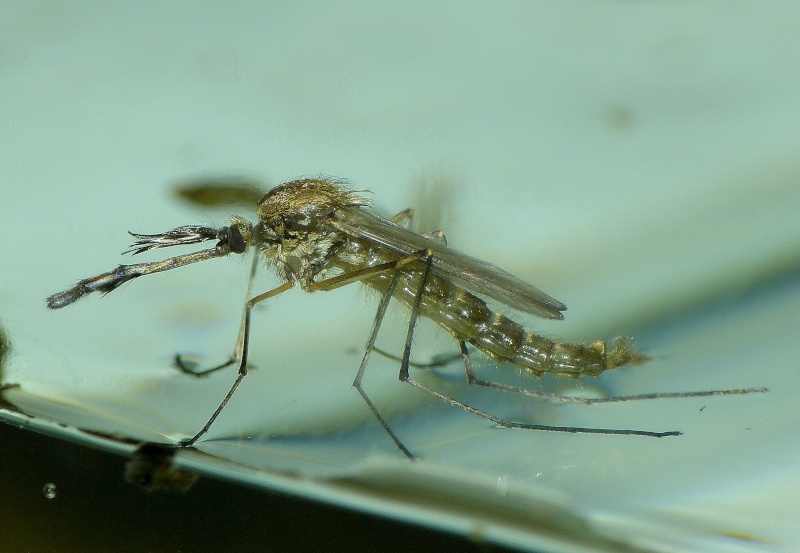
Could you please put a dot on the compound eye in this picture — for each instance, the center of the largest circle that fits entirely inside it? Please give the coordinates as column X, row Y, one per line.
column 239, row 236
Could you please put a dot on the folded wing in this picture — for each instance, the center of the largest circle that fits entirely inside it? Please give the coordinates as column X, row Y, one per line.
column 471, row 273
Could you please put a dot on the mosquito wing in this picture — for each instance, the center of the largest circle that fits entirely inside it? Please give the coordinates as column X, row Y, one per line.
column 476, row 275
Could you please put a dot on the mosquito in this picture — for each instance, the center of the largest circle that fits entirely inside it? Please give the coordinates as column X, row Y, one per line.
column 319, row 234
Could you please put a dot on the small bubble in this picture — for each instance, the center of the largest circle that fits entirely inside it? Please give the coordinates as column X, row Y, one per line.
column 49, row 490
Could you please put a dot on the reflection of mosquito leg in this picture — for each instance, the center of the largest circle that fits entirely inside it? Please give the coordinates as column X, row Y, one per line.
column 405, row 377
column 248, row 307
column 472, row 378
column 439, row 360
column 4, row 403
column 185, row 368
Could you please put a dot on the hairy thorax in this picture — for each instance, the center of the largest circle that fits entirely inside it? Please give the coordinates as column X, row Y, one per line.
column 290, row 231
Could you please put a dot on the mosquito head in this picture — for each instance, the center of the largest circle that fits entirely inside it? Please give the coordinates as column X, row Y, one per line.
column 237, row 236
column 234, row 238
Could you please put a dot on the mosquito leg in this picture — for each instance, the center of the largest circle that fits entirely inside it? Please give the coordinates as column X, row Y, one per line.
column 512, row 424
column 404, row 363
column 472, row 378
column 403, row 218
column 374, row 333
column 242, row 364
column 405, row 377
column 439, row 360
column 356, row 276
column 370, row 345
column 185, row 368
column 665, row 395
column 616, row 399
column 329, row 284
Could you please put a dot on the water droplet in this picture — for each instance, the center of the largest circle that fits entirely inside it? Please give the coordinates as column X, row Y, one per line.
column 49, row 490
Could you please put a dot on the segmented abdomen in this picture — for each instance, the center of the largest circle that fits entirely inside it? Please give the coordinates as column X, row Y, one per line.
column 468, row 318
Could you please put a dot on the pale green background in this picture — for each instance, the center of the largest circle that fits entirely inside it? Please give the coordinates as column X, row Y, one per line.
column 638, row 161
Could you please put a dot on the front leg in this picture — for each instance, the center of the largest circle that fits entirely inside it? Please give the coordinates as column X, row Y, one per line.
column 243, row 364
